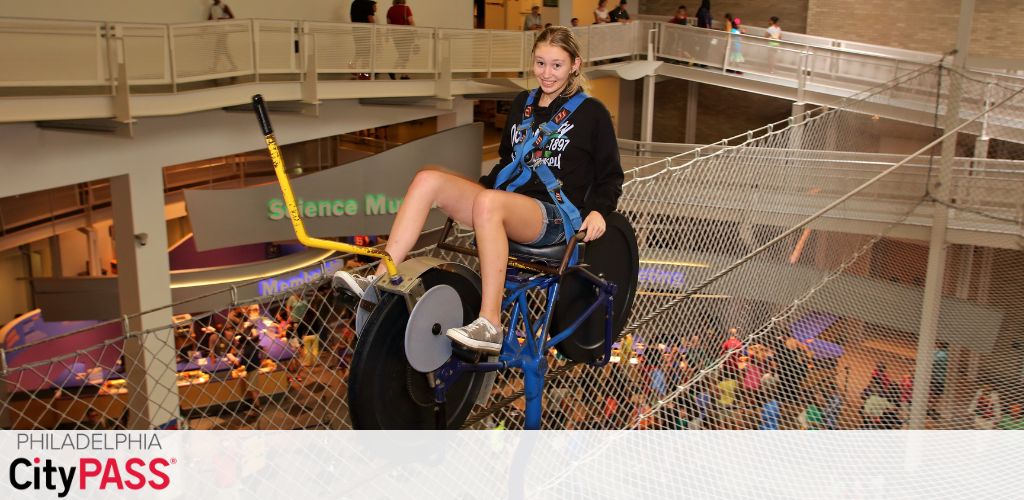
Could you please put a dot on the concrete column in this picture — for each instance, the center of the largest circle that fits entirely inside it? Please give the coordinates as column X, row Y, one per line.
column 57, row 270
column 647, row 114
column 565, row 13
column 796, row 137
column 462, row 114
column 92, row 251
column 627, row 109
column 937, row 243
column 144, row 283
column 981, row 147
column 692, row 90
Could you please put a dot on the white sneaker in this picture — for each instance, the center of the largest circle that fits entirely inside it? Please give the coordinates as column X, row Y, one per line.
column 353, row 283
column 480, row 335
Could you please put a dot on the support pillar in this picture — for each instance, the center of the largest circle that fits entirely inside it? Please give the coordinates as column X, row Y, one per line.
column 627, row 109
column 692, row 90
column 937, row 243
column 565, row 16
column 92, row 251
column 796, row 138
column 144, row 283
column 462, row 114
column 57, row 269
column 647, row 114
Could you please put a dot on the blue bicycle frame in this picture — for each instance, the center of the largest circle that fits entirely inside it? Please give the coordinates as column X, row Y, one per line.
column 530, row 354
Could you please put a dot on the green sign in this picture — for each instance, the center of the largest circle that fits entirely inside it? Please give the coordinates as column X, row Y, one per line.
column 373, row 204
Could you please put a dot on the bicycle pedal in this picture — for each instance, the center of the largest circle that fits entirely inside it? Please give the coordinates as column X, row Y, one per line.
column 466, row 355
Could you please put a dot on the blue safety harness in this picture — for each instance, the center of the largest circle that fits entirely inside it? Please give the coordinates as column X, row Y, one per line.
column 529, row 160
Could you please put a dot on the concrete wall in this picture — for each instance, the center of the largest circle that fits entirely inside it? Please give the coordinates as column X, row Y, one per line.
column 14, row 292
column 73, row 253
column 928, row 25
column 792, row 14
column 721, row 112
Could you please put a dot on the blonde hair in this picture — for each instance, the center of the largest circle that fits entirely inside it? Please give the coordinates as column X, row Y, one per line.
column 562, row 37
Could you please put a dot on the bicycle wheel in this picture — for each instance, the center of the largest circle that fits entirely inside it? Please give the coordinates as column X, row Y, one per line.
column 384, row 391
column 615, row 258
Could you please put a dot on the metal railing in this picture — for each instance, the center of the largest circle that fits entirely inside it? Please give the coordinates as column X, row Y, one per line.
column 43, row 53
column 90, row 58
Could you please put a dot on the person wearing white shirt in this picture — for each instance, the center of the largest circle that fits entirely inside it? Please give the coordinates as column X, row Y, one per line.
column 220, row 11
column 601, row 13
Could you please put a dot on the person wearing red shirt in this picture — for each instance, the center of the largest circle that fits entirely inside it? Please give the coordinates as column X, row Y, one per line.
column 401, row 15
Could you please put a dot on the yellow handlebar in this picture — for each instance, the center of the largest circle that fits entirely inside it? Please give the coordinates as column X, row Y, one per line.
column 293, row 209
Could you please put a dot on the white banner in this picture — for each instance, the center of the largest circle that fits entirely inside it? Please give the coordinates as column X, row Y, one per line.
column 505, row 464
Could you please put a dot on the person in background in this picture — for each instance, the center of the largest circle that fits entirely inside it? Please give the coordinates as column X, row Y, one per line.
column 880, row 376
column 96, row 421
column 875, row 406
column 575, row 22
column 680, row 17
column 704, row 18
column 985, row 408
column 401, row 15
column 619, row 14
column 728, row 388
column 533, row 22
column 810, row 419
column 774, row 33
column 1013, row 421
column 771, row 413
column 937, row 384
column 219, row 10
column 362, row 11
column 833, row 407
column 601, row 13
column 251, row 355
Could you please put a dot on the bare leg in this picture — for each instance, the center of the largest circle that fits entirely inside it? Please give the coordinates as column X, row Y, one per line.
column 497, row 217
column 451, row 193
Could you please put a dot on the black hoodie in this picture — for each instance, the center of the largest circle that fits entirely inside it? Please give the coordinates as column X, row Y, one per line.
column 584, row 156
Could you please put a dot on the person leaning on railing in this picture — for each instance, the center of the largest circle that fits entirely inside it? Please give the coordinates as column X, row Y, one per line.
column 219, row 10
column 601, row 13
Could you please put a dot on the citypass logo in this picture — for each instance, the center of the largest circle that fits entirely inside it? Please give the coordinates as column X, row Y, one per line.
column 90, row 472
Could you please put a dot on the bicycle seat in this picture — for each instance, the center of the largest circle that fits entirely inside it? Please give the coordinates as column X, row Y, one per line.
column 551, row 255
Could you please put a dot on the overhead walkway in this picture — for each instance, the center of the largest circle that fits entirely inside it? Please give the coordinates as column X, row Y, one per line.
column 61, row 70
column 988, row 191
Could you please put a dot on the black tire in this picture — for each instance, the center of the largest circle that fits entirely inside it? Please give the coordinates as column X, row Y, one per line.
column 384, row 392
column 615, row 257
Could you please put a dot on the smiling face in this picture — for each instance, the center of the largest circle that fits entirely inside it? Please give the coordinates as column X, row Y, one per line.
column 552, row 66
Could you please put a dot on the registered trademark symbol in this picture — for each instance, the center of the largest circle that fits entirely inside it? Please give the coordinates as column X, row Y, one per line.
column 174, row 460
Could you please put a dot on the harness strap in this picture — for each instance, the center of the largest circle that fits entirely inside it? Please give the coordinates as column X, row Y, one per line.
column 529, row 160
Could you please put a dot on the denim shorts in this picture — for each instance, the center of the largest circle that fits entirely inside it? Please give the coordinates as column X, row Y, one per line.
column 551, row 232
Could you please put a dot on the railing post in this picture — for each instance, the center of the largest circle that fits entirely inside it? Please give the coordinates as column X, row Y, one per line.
column 650, row 44
column 590, row 40
column 490, row 52
column 254, row 49
column 728, row 49
column 801, row 79
column 111, row 57
column 373, row 51
column 443, row 88
column 5, row 396
column 173, row 58
column 122, row 100
column 310, row 80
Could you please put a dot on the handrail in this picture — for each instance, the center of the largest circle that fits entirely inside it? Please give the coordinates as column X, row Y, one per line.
column 293, row 209
column 175, row 55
